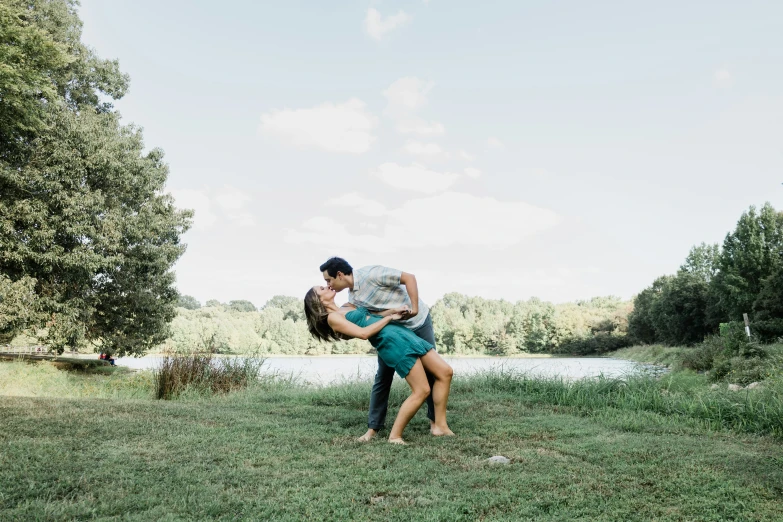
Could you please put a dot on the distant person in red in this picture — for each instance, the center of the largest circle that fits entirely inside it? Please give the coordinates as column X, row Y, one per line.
column 106, row 357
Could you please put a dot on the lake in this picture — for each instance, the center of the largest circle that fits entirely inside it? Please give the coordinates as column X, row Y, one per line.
column 331, row 369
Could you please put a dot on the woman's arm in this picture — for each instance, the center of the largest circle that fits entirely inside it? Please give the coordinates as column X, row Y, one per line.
column 340, row 324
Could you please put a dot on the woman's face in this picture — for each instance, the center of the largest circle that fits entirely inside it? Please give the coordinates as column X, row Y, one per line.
column 324, row 292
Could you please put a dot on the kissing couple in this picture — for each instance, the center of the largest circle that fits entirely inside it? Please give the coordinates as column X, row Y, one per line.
column 384, row 307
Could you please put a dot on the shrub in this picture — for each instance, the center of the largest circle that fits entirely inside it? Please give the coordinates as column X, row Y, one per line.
column 204, row 374
column 702, row 357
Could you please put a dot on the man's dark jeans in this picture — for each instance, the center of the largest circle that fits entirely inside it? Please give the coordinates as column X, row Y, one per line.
column 379, row 400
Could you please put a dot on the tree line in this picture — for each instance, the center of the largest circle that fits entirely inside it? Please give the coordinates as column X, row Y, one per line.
column 717, row 284
column 463, row 325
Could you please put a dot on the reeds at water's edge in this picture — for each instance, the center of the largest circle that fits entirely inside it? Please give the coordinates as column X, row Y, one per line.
column 204, row 373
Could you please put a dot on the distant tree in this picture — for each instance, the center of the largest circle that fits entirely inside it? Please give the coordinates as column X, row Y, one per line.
column 292, row 307
column 750, row 255
column 241, row 305
column 213, row 303
column 188, row 302
column 767, row 319
column 703, row 260
column 678, row 314
column 641, row 324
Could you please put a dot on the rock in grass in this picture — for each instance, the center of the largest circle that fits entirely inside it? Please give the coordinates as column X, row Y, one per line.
column 734, row 387
column 499, row 459
column 753, row 386
column 714, row 386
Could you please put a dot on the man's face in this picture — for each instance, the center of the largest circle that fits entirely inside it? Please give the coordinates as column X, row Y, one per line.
column 337, row 283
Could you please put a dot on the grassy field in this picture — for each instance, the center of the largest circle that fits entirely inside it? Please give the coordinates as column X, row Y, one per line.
column 95, row 446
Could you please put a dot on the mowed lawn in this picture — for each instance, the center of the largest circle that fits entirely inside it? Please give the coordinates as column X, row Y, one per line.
column 288, row 453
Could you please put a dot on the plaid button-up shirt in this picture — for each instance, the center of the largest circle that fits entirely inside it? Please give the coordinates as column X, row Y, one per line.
column 378, row 288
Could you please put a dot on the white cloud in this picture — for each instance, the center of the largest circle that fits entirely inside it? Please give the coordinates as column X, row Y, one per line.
column 198, row 201
column 452, row 219
column 421, row 127
column 415, row 177
column 494, row 143
column 377, row 26
column 406, row 95
column 418, row 148
column 466, row 156
column 405, row 98
column 325, row 231
column 232, row 202
column 344, row 127
column 362, row 205
column 723, row 77
column 472, row 173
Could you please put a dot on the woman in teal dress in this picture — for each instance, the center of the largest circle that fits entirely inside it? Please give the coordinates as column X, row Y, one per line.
column 399, row 348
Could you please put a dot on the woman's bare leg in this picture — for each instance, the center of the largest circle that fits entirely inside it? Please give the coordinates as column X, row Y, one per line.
column 420, row 390
column 442, row 372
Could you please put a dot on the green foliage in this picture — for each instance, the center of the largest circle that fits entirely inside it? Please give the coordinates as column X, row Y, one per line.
column 45, row 64
column 83, row 213
column 242, row 306
column 641, row 326
column 18, row 306
column 751, row 256
column 188, row 302
column 678, row 314
column 768, row 308
column 716, row 286
column 702, row 261
column 473, row 325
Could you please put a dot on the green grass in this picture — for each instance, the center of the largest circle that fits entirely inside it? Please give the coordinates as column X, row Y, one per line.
column 283, row 452
column 670, row 356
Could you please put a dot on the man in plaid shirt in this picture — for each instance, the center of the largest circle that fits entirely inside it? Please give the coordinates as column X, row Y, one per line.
column 381, row 288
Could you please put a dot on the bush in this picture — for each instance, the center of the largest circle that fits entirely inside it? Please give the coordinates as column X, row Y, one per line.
column 203, row 374
column 702, row 357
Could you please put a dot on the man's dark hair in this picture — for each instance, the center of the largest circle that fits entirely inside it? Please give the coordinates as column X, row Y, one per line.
column 336, row 264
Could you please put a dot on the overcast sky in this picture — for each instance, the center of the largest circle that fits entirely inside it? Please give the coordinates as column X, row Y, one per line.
column 503, row 149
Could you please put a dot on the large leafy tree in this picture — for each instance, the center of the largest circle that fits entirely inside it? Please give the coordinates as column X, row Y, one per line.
column 83, row 215
column 750, row 255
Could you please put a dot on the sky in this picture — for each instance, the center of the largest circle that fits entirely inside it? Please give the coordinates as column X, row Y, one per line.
column 502, row 149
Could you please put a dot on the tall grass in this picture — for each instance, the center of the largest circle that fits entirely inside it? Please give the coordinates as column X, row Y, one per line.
column 203, row 374
column 53, row 379
column 683, row 394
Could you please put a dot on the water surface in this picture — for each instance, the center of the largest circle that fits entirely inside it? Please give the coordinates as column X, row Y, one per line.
column 333, row 369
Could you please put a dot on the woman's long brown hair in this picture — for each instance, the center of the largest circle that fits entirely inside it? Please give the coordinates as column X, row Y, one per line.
column 316, row 315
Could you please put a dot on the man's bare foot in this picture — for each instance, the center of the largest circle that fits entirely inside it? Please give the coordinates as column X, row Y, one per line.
column 441, row 432
column 367, row 437
column 397, row 440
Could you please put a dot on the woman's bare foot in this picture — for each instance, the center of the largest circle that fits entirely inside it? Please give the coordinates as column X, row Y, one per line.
column 441, row 432
column 397, row 440
column 367, row 437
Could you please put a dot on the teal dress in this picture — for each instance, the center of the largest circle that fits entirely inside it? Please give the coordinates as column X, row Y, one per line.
column 397, row 346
